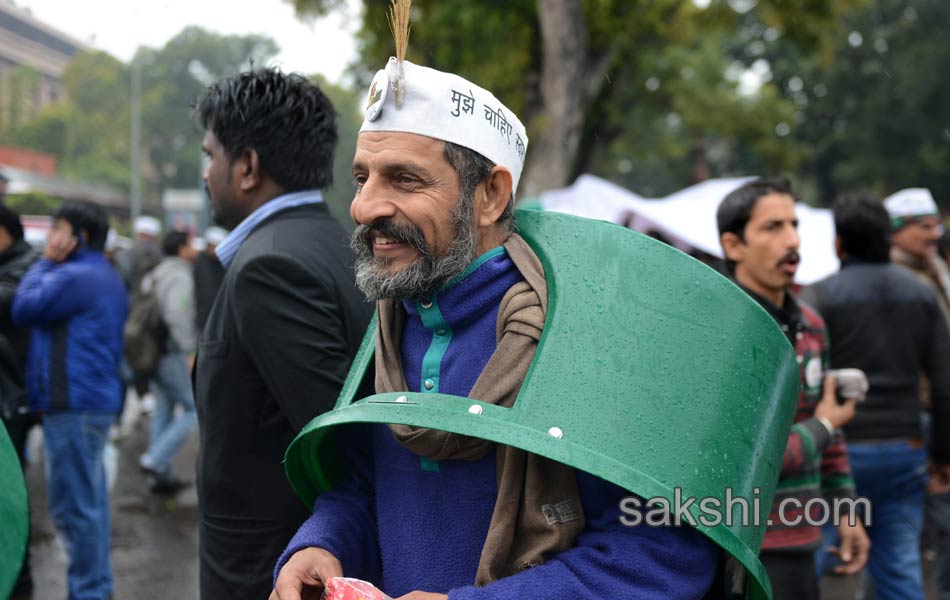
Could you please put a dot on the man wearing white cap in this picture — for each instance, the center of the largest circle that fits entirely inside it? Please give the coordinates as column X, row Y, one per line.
column 915, row 220
column 146, row 226
column 145, row 254
column 884, row 322
column 461, row 301
column 209, row 274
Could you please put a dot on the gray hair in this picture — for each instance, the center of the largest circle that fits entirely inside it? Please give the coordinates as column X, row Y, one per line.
column 472, row 169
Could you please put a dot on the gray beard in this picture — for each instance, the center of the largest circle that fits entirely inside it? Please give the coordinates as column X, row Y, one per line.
column 428, row 273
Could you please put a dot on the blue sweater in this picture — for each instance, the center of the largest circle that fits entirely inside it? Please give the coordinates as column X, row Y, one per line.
column 77, row 310
column 406, row 523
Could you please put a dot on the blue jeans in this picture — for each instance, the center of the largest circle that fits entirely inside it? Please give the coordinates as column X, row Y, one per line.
column 172, row 388
column 939, row 506
column 892, row 476
column 78, row 498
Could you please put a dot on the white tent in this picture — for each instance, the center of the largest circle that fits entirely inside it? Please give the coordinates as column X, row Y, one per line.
column 688, row 217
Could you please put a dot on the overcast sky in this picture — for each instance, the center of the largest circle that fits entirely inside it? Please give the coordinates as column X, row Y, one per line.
column 121, row 26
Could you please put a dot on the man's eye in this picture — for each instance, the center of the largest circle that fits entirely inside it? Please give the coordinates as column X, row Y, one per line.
column 406, row 179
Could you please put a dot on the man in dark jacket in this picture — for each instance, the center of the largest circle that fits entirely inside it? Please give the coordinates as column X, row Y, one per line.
column 209, row 275
column 886, row 323
column 76, row 304
column 16, row 256
column 284, row 328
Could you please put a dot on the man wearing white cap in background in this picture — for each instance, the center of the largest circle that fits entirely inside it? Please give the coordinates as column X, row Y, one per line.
column 145, row 253
column 461, row 300
column 133, row 264
column 883, row 321
column 915, row 220
column 209, row 274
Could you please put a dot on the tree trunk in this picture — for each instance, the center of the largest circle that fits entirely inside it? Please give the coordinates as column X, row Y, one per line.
column 564, row 94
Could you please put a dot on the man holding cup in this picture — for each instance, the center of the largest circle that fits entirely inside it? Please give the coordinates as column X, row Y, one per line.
column 758, row 231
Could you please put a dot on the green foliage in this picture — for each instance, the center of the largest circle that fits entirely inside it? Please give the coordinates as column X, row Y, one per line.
column 877, row 115
column 172, row 79
column 696, row 122
column 89, row 129
column 46, row 133
column 349, row 118
column 33, row 203
column 18, row 91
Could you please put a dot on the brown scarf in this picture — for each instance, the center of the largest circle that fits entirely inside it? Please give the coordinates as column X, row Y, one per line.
column 538, row 510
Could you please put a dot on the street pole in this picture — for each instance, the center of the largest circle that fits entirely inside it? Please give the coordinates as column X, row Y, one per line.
column 135, row 208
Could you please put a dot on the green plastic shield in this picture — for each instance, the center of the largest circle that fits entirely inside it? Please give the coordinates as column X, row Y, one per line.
column 14, row 515
column 654, row 372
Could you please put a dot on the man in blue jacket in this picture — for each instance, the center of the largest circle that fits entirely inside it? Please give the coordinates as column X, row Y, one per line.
column 76, row 305
column 461, row 298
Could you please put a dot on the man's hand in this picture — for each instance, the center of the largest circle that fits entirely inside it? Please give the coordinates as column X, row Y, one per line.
column 303, row 576
column 939, row 482
column 423, row 596
column 855, row 546
column 59, row 246
column 828, row 407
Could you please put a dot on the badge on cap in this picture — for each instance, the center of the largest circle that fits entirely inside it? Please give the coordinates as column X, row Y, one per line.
column 377, row 95
column 813, row 372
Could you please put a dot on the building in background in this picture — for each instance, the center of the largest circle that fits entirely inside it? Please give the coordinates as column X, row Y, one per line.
column 33, row 56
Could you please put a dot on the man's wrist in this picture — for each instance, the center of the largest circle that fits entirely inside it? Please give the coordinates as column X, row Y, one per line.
column 828, row 425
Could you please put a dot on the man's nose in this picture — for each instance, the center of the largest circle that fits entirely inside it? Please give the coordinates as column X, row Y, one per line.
column 371, row 203
column 792, row 239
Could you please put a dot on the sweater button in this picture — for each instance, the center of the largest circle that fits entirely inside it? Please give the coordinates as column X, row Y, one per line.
column 429, row 384
column 427, row 304
column 440, row 331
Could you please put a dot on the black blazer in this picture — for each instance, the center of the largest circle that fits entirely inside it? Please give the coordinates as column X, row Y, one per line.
column 209, row 274
column 274, row 353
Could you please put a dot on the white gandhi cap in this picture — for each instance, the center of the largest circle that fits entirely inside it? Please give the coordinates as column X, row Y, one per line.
column 449, row 108
column 147, row 225
column 910, row 203
column 215, row 235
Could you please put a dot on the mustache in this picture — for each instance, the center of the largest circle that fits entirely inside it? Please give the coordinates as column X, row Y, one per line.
column 406, row 234
column 790, row 256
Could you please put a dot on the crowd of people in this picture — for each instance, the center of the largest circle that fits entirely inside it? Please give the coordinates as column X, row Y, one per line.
column 890, row 322
column 64, row 364
column 250, row 339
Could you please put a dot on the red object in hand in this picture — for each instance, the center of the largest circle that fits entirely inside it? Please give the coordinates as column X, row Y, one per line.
column 345, row 588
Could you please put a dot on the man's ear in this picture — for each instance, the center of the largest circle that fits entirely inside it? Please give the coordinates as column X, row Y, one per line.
column 839, row 251
column 494, row 200
column 247, row 168
column 732, row 246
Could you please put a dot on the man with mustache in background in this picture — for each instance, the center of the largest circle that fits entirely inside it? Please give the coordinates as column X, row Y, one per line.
column 758, row 231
